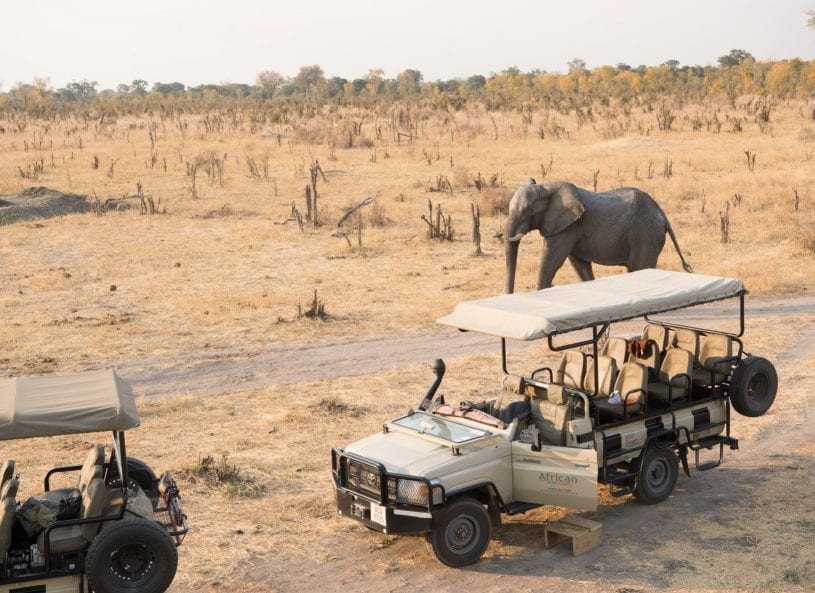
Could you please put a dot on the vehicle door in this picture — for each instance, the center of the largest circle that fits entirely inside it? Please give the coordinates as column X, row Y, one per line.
column 561, row 476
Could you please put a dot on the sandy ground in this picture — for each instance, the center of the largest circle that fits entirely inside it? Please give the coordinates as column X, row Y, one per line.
column 748, row 525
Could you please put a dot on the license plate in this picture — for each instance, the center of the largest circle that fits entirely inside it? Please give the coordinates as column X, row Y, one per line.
column 378, row 514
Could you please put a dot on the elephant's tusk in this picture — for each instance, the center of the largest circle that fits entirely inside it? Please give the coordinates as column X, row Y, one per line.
column 516, row 238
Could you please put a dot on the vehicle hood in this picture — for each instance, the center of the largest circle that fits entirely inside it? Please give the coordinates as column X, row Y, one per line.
column 405, row 453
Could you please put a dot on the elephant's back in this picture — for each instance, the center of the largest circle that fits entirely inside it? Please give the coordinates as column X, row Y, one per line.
column 632, row 204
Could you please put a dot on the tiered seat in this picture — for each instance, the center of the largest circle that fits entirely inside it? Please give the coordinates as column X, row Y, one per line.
column 630, row 385
column 76, row 537
column 8, row 506
column 606, row 375
column 617, row 348
column 715, row 357
column 674, row 378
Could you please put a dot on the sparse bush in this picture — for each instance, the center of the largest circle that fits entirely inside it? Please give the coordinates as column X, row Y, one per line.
column 220, row 472
column 316, row 309
column 665, row 117
column 332, row 405
column 377, row 216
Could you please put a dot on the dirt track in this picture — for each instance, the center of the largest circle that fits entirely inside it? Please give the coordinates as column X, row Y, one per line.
column 746, row 526
column 225, row 372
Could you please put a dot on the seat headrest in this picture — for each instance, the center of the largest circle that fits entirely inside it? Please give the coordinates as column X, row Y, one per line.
column 9, row 489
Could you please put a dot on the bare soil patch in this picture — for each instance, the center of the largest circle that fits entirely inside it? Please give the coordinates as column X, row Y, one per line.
column 38, row 203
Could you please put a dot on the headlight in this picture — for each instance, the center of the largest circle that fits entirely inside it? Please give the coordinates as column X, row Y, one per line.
column 407, row 491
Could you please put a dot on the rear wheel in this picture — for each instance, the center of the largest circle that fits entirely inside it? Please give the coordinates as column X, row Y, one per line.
column 463, row 534
column 657, row 475
column 753, row 386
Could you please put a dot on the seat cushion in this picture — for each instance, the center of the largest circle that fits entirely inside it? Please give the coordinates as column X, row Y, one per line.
column 610, row 410
column 703, row 376
column 659, row 393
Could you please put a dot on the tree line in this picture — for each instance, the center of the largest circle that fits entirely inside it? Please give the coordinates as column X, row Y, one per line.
column 736, row 73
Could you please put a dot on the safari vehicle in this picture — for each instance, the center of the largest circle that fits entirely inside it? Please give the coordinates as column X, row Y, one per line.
column 117, row 525
column 624, row 414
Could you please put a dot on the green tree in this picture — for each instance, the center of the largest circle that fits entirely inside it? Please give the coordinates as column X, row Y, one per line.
column 408, row 82
column 83, row 91
column 308, row 79
column 139, row 86
column 734, row 58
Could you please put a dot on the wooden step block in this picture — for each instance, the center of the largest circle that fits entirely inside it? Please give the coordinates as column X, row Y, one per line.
column 585, row 534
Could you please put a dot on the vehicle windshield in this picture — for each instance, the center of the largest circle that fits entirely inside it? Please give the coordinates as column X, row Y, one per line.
column 440, row 428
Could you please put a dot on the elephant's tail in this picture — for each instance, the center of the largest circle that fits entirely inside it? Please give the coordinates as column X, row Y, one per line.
column 670, row 230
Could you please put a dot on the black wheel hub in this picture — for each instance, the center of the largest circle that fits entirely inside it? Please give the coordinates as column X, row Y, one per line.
column 657, row 475
column 132, row 563
column 757, row 387
column 462, row 533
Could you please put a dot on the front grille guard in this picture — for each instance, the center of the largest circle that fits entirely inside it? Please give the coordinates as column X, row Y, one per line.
column 340, row 462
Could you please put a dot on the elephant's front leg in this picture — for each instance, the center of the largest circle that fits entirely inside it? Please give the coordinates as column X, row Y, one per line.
column 555, row 252
column 582, row 267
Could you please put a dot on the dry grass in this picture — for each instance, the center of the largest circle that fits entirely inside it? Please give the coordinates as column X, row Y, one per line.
column 254, row 473
column 189, row 280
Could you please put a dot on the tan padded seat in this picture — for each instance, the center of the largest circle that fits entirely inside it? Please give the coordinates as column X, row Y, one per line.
column 76, row 537
column 550, row 418
column 631, row 383
column 672, row 386
column 572, row 369
column 617, row 348
column 93, row 467
column 570, row 375
column 606, row 375
column 658, row 334
column 715, row 349
column 8, row 507
column 6, row 472
column 686, row 339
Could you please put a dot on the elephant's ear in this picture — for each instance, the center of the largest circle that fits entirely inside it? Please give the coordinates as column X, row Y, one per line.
column 562, row 209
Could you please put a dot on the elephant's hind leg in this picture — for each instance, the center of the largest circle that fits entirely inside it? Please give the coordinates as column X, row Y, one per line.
column 582, row 267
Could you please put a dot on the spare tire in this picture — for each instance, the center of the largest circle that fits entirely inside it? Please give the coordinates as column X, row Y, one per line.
column 131, row 555
column 753, row 386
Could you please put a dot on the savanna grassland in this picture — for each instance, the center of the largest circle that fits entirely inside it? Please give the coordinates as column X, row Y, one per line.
column 218, row 268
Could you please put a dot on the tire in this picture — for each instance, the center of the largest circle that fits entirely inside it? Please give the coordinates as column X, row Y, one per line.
column 463, row 534
column 138, row 472
column 132, row 555
column 753, row 386
column 657, row 475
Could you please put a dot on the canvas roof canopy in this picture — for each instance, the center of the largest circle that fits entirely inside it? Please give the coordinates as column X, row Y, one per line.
column 535, row 315
column 93, row 401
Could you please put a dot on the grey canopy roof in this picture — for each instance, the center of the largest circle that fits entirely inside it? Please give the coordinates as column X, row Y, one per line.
column 65, row 404
column 535, row 315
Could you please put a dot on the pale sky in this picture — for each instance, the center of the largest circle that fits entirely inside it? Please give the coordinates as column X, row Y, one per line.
column 208, row 41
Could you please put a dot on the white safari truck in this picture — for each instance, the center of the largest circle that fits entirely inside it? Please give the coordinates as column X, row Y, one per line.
column 623, row 411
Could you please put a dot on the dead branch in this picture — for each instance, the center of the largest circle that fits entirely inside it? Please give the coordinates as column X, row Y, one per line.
column 350, row 211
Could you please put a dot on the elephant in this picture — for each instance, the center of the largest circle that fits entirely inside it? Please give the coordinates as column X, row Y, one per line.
column 622, row 227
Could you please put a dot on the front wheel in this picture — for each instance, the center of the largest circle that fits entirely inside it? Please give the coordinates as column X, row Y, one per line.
column 463, row 533
column 753, row 386
column 132, row 555
column 657, row 475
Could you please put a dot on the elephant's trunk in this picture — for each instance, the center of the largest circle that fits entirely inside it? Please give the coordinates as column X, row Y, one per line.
column 512, row 260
